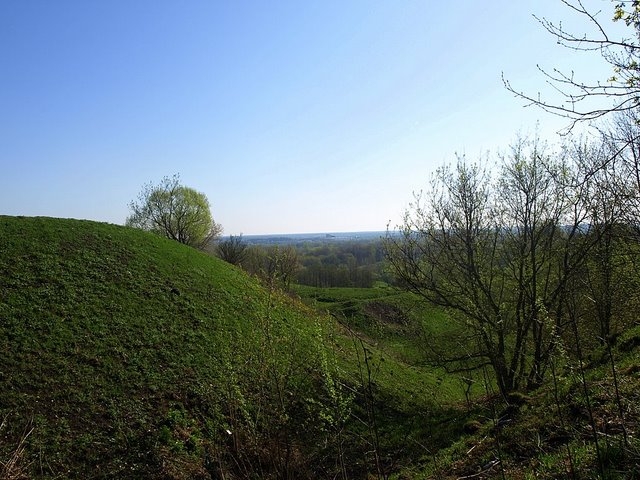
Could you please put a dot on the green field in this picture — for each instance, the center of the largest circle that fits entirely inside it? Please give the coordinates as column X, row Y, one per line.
column 125, row 355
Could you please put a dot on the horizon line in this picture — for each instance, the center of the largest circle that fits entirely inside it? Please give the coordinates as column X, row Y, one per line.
column 326, row 232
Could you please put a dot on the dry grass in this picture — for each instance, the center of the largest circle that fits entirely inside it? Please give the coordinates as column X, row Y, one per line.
column 15, row 467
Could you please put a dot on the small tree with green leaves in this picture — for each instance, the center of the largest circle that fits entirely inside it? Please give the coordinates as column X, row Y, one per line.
column 497, row 255
column 232, row 250
column 174, row 211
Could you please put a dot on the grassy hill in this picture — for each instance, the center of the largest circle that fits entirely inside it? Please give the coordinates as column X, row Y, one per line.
column 127, row 355
column 582, row 423
column 123, row 354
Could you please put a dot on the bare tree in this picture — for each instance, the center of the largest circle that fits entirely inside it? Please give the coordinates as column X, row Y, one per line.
column 621, row 166
column 543, row 220
column 498, row 257
column 581, row 100
column 282, row 264
column 447, row 252
column 609, row 167
column 232, row 250
column 275, row 264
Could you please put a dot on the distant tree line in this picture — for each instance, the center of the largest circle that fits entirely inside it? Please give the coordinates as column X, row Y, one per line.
column 354, row 263
column 341, row 264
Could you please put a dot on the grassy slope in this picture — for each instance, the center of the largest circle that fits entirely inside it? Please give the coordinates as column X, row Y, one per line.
column 127, row 355
column 420, row 408
column 393, row 322
column 569, row 428
column 549, row 434
column 379, row 314
column 130, row 355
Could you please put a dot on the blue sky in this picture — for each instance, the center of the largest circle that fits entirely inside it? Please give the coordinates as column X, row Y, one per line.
column 290, row 116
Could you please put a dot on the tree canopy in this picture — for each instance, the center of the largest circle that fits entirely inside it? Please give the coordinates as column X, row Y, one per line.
column 497, row 254
column 174, row 211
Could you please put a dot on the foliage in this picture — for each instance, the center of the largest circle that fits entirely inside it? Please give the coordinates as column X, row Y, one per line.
column 276, row 265
column 497, row 255
column 232, row 250
column 537, row 266
column 340, row 264
column 317, row 263
column 174, row 211
column 550, row 434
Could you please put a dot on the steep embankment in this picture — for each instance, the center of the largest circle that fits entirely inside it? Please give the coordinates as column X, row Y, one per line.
column 126, row 355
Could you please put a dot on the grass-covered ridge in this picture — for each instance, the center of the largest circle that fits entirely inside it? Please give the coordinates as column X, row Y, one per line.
column 128, row 355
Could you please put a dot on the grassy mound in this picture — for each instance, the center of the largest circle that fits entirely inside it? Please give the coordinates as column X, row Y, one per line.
column 127, row 355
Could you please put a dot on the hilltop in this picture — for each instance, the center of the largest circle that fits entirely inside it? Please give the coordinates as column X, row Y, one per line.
column 124, row 354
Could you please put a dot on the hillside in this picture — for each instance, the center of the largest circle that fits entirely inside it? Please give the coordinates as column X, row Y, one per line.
column 123, row 355
column 581, row 424
column 127, row 355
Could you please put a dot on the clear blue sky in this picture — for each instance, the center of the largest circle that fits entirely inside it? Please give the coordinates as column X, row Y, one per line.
column 291, row 116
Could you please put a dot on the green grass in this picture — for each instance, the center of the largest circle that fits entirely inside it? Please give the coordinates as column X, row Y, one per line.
column 421, row 407
column 389, row 318
column 106, row 332
column 550, row 433
column 547, row 434
column 394, row 322
column 126, row 355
